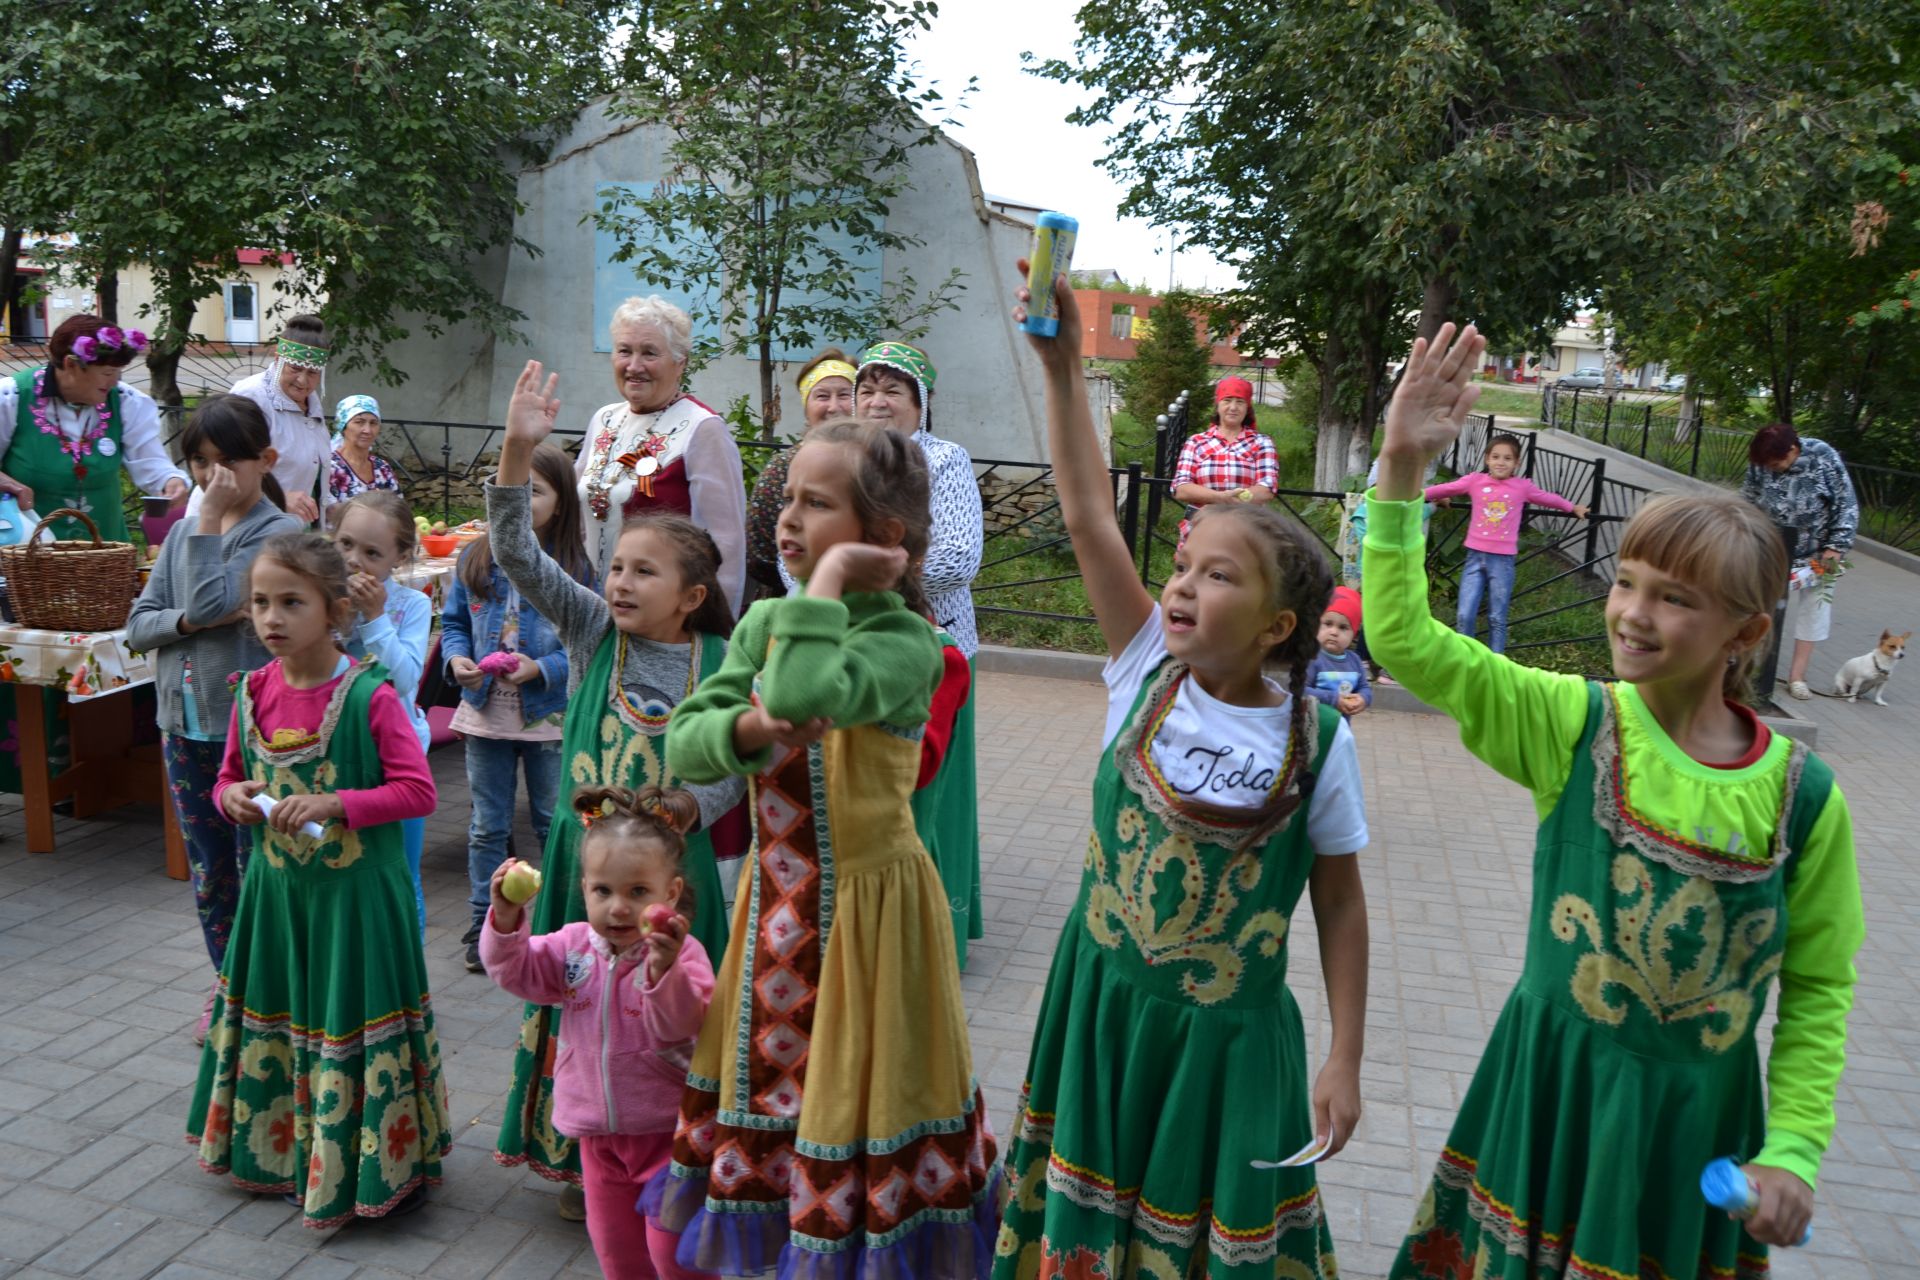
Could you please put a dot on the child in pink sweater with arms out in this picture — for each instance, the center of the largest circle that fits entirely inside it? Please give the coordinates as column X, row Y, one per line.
column 635, row 988
column 1499, row 499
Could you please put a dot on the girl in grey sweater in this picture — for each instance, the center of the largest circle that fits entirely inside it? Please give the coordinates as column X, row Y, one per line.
column 192, row 617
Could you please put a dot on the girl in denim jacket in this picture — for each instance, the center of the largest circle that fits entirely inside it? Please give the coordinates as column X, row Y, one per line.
column 512, row 671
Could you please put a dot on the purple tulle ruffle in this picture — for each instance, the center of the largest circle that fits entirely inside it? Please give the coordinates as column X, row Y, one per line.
column 756, row 1244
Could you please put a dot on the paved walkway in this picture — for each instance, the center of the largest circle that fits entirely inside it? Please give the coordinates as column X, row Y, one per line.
column 102, row 974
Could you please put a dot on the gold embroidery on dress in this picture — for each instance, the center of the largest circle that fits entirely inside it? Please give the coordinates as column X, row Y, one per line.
column 1195, row 933
column 282, row 848
column 1714, row 986
column 636, row 762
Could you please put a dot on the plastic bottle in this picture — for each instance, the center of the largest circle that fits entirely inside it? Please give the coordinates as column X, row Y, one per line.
column 1051, row 255
column 1726, row 1186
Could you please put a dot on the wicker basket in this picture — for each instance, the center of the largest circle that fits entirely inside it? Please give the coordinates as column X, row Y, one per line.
column 71, row 586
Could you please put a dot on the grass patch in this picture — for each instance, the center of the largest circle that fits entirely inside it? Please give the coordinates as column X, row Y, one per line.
column 1512, row 401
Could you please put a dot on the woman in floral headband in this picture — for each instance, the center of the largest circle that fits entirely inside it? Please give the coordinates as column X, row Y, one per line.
column 67, row 430
column 288, row 392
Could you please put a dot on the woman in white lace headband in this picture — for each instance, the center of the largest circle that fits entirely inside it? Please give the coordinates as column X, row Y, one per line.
column 894, row 386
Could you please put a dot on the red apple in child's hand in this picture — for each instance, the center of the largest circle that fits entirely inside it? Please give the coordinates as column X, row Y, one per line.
column 658, row 916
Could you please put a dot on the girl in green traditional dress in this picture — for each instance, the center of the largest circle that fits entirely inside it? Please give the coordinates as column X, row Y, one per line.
column 1170, row 1059
column 633, row 654
column 1686, row 856
column 320, row 1078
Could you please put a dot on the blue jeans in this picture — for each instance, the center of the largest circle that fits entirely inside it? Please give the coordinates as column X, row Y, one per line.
column 490, row 766
column 1491, row 575
column 216, row 849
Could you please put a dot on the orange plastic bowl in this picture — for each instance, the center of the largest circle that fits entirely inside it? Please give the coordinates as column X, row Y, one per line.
column 439, row 544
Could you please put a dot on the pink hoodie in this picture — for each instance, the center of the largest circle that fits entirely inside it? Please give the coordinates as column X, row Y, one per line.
column 1497, row 507
column 624, row 1045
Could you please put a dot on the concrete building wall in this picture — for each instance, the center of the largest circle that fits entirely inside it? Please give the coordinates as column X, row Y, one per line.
column 988, row 395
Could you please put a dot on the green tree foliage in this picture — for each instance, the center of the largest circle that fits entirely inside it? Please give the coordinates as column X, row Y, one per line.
column 1169, row 360
column 375, row 141
column 1371, row 169
column 1801, row 278
column 789, row 130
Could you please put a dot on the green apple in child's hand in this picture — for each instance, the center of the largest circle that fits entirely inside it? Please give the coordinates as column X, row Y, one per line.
column 520, row 883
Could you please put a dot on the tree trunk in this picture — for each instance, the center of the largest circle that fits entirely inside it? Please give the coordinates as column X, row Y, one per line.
column 769, row 391
column 163, row 357
column 1333, row 432
column 109, row 290
column 9, row 281
column 1441, row 296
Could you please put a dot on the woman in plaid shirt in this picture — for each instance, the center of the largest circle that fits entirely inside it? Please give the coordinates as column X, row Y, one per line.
column 1229, row 461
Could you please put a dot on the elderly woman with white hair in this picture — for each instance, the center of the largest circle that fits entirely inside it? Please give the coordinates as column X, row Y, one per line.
column 658, row 448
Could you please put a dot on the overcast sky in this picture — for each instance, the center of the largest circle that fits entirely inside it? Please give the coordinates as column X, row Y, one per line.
column 1015, row 125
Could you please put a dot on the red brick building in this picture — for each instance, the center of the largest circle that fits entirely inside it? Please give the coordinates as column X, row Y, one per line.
column 1115, row 321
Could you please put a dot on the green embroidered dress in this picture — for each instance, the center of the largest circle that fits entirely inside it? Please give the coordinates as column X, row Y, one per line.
column 1667, row 897
column 321, row 1070
column 92, row 485
column 606, row 741
column 1169, row 1053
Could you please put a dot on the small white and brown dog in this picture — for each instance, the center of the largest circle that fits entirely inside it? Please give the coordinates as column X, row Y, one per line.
column 1870, row 672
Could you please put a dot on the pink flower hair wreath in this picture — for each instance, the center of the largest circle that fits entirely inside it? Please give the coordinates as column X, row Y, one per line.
column 110, row 338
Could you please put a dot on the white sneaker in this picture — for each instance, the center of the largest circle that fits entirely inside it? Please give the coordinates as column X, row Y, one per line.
column 1798, row 689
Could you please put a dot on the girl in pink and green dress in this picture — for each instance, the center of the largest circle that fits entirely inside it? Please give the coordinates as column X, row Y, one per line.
column 1170, row 1060
column 1687, row 857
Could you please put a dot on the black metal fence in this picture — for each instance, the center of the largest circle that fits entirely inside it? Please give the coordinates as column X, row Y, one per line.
column 1656, row 431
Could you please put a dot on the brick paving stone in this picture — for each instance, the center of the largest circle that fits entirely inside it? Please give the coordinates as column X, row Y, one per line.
column 92, row 1134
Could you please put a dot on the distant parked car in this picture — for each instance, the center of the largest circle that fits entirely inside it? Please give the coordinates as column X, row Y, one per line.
column 1592, row 377
column 1673, row 386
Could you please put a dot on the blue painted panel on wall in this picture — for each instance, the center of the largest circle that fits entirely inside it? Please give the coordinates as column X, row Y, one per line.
column 615, row 282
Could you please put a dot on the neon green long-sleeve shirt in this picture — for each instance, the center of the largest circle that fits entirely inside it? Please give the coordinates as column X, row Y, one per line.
column 1526, row 724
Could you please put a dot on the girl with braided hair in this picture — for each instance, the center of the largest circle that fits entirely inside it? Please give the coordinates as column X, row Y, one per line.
column 1169, row 1057
column 635, row 984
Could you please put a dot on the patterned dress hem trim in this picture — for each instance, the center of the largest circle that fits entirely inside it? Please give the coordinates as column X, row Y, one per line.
column 350, row 1044
column 537, row 1167
column 286, row 1185
column 1235, row 1246
column 1549, row 1249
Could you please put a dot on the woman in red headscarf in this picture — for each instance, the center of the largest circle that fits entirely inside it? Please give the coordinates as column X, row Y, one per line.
column 1230, row 461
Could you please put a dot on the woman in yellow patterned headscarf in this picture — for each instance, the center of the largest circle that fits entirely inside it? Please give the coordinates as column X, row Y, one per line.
column 826, row 391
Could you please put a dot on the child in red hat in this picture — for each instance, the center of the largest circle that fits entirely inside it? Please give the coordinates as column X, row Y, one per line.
column 1338, row 675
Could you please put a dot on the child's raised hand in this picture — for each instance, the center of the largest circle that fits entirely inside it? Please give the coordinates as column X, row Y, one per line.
column 663, row 944
column 857, row 566
column 754, row 730
column 506, row 912
column 534, row 408
column 1061, row 352
column 1579, row 512
column 1336, row 1105
column 1785, row 1207
column 369, row 595
column 294, row 812
column 237, row 802
column 1429, row 407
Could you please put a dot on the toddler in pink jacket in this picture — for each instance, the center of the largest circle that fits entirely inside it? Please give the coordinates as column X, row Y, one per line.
column 634, row 988
column 1499, row 499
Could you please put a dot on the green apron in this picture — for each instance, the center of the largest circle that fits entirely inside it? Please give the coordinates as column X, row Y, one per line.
column 1624, row 1061
column 1169, row 1053
column 321, row 1069
column 35, row 460
column 600, row 745
column 946, row 813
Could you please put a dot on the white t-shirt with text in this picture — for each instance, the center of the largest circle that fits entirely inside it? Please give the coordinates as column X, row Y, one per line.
column 1228, row 756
